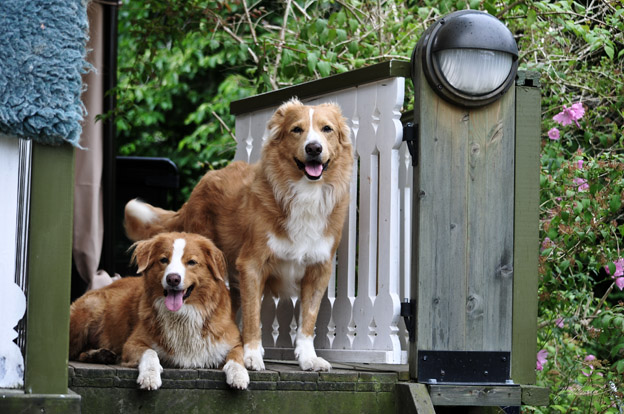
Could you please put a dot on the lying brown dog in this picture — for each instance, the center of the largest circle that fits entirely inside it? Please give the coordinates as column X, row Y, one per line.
column 177, row 313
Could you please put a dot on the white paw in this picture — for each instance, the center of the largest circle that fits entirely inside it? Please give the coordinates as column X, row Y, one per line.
column 306, row 355
column 253, row 357
column 236, row 375
column 149, row 371
column 314, row 364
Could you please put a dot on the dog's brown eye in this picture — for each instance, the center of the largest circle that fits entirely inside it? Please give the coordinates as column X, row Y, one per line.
column 297, row 130
column 164, row 260
column 327, row 129
column 191, row 262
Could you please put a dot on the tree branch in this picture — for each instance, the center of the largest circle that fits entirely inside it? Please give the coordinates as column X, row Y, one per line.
column 280, row 46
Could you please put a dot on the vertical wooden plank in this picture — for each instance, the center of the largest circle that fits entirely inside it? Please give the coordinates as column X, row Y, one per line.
column 440, row 224
column 49, row 269
column 463, row 225
column 493, row 198
column 526, row 240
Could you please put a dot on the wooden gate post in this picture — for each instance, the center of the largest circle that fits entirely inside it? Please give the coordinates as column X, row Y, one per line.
column 475, row 219
column 463, row 232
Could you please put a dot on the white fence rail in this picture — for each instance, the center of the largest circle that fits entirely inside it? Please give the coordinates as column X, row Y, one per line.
column 359, row 319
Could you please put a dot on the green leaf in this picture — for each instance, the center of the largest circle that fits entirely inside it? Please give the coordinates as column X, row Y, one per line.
column 312, row 61
column 614, row 203
column 324, row 68
column 340, row 68
column 353, row 47
column 341, row 34
column 320, row 25
column 490, row 7
column 609, row 51
column 531, row 17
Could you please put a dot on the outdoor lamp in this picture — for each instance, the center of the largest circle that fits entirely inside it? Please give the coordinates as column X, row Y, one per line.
column 469, row 58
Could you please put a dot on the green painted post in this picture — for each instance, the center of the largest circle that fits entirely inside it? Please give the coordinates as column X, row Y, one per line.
column 526, row 233
column 49, row 274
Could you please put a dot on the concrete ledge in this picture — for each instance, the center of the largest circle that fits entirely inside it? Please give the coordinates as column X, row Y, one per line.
column 282, row 388
column 276, row 377
column 16, row 401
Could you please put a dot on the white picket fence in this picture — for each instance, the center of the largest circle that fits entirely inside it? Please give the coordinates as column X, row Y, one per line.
column 359, row 320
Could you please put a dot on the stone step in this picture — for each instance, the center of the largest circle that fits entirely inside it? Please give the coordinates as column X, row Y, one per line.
column 281, row 388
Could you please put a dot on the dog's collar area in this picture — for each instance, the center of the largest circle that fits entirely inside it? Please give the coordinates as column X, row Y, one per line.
column 312, row 169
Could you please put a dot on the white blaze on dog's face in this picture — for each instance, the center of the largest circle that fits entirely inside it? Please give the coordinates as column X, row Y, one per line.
column 308, row 137
column 173, row 280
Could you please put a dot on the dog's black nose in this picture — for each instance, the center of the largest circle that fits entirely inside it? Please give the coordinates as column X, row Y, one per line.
column 173, row 279
column 313, row 148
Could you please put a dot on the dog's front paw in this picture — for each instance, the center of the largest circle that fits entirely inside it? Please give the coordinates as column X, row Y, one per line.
column 314, row 364
column 149, row 371
column 236, row 375
column 306, row 355
column 149, row 380
column 253, row 358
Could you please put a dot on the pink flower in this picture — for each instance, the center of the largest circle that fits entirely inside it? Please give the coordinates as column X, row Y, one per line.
column 571, row 114
column 589, row 358
column 541, row 359
column 619, row 268
column 553, row 134
column 559, row 322
column 579, row 164
column 546, row 244
column 619, row 273
column 581, row 183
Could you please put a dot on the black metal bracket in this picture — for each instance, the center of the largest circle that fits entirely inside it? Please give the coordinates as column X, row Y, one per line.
column 410, row 135
column 475, row 367
column 408, row 312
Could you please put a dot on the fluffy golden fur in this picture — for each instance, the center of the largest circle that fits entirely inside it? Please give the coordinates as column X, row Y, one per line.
column 278, row 221
column 177, row 313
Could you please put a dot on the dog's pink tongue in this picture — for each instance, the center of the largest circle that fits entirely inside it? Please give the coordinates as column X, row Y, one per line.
column 174, row 300
column 314, row 169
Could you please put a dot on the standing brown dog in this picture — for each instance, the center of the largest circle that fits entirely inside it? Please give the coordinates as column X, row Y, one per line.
column 178, row 313
column 278, row 221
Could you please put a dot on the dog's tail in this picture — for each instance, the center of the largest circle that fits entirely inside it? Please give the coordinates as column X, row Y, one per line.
column 143, row 221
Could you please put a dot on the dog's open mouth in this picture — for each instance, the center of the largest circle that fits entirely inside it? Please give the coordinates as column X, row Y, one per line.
column 174, row 299
column 312, row 169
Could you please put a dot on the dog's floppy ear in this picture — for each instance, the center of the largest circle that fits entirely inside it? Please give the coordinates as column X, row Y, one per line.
column 277, row 120
column 215, row 261
column 344, row 132
column 141, row 255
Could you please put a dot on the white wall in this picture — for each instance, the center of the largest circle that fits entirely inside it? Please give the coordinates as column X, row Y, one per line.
column 12, row 298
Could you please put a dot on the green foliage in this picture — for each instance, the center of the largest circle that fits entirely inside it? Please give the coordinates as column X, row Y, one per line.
column 182, row 63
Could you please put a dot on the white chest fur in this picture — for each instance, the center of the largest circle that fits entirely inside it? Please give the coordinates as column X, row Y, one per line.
column 182, row 332
column 309, row 206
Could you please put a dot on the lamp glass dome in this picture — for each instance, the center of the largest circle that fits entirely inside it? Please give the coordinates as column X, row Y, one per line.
column 474, row 71
column 468, row 57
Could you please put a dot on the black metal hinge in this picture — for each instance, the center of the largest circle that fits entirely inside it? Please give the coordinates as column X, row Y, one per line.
column 410, row 135
column 408, row 312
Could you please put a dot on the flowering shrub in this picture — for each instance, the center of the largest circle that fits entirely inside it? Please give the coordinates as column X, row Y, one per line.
column 582, row 271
